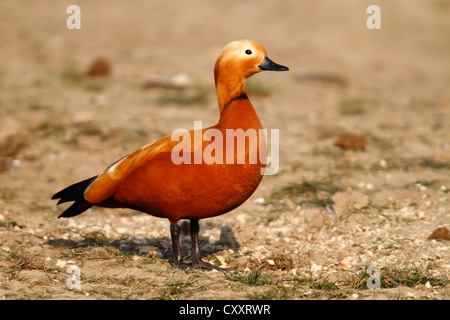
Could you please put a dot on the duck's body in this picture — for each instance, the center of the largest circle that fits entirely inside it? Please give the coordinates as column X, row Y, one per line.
column 149, row 180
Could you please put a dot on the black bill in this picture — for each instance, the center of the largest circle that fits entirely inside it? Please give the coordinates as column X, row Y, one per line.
column 268, row 64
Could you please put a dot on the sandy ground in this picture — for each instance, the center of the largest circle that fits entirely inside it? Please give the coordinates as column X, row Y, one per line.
column 315, row 230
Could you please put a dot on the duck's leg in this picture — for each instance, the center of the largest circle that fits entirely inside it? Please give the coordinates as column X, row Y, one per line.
column 195, row 252
column 196, row 259
column 175, row 231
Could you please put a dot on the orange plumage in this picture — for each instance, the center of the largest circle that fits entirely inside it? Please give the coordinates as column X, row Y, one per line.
column 148, row 180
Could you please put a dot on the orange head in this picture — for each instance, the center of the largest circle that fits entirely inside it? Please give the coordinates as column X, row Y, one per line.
column 239, row 60
column 243, row 58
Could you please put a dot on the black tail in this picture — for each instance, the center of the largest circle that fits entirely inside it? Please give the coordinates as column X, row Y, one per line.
column 74, row 193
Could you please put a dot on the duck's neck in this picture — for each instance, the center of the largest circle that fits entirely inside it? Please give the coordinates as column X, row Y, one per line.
column 236, row 110
column 229, row 87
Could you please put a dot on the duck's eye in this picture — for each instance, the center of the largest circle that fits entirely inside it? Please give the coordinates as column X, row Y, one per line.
column 248, row 51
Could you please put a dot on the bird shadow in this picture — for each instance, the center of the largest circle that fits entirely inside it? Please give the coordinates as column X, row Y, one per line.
column 149, row 247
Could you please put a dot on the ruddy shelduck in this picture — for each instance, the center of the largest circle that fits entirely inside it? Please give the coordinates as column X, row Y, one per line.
column 148, row 180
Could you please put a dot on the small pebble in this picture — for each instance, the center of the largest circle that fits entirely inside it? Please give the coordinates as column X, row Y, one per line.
column 315, row 267
column 260, row 201
column 61, row 263
column 16, row 163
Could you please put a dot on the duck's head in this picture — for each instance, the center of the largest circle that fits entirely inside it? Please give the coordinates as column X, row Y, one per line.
column 243, row 58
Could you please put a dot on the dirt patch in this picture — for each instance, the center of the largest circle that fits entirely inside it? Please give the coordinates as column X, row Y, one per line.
column 344, row 214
